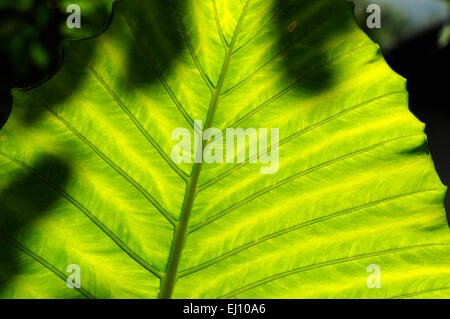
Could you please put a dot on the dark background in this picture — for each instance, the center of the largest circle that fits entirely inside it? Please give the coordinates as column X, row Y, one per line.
column 31, row 33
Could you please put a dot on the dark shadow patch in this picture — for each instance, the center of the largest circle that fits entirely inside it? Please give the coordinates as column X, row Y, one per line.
column 162, row 43
column 26, row 199
column 305, row 29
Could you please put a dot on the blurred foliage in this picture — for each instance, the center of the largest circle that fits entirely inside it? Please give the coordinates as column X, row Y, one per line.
column 25, row 27
column 444, row 36
column 402, row 20
column 31, row 32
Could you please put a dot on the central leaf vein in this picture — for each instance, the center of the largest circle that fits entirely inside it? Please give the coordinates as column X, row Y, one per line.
column 181, row 228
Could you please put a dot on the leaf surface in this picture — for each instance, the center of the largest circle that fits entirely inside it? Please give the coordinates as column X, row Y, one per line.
column 88, row 178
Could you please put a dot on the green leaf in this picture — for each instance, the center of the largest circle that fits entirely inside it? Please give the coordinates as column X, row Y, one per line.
column 88, row 178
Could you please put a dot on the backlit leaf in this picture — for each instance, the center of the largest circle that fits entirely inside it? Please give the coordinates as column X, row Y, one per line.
column 87, row 176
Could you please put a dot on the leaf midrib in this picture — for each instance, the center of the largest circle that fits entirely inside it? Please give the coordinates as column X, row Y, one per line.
column 168, row 280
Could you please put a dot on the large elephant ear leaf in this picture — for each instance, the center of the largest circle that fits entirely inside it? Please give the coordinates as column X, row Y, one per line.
column 88, row 179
